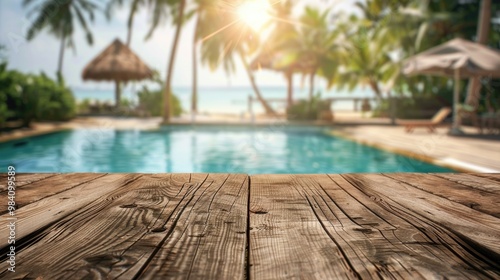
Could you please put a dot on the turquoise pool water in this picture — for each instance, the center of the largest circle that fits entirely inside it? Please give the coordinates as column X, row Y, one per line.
column 202, row 149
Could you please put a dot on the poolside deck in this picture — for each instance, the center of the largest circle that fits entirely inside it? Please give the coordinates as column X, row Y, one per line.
column 234, row 226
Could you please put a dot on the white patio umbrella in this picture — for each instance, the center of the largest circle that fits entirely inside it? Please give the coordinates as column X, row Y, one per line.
column 459, row 59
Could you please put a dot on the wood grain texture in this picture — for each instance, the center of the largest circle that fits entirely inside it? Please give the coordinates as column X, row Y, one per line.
column 319, row 227
column 491, row 176
column 234, row 226
column 478, row 199
column 287, row 238
column 476, row 182
column 468, row 233
column 23, row 179
column 36, row 190
column 33, row 218
column 206, row 239
column 122, row 232
column 89, row 241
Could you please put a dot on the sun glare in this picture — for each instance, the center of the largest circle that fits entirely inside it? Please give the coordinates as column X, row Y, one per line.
column 255, row 13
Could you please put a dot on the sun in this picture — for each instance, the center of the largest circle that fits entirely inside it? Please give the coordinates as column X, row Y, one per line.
column 255, row 13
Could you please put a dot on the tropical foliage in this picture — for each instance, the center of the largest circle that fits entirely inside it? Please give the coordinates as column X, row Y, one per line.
column 60, row 18
column 151, row 101
column 310, row 109
column 29, row 97
column 389, row 31
column 227, row 37
column 201, row 11
column 135, row 6
column 365, row 48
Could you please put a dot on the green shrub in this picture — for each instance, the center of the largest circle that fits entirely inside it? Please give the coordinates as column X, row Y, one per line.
column 5, row 113
column 31, row 97
column 126, row 103
column 152, row 102
column 127, row 107
column 308, row 109
column 410, row 108
column 83, row 106
column 55, row 101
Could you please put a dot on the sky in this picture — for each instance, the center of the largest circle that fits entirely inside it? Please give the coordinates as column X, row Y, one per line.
column 41, row 53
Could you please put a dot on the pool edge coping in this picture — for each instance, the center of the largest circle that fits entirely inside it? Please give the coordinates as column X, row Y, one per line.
column 33, row 133
column 414, row 155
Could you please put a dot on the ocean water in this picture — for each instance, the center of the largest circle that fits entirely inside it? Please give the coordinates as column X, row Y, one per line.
column 233, row 100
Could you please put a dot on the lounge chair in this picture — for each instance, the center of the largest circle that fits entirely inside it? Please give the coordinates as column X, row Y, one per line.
column 431, row 124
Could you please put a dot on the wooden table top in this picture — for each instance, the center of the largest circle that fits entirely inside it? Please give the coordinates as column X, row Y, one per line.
column 235, row 226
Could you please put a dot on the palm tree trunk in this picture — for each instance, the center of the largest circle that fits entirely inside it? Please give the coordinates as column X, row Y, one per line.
column 289, row 79
column 130, row 22
column 168, row 84
column 61, row 56
column 194, row 94
column 311, row 85
column 373, row 84
column 118, row 94
column 269, row 110
column 129, row 30
column 474, row 89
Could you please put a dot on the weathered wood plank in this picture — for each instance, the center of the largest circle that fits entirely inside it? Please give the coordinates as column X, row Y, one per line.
column 470, row 234
column 120, row 234
column 128, row 226
column 357, row 232
column 48, row 186
column 23, row 179
column 95, row 240
column 286, row 239
column 474, row 198
column 85, row 242
column 207, row 240
column 42, row 213
column 314, row 226
column 411, row 243
column 473, row 182
column 491, row 176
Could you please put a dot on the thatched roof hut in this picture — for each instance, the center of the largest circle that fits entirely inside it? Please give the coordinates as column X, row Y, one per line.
column 119, row 64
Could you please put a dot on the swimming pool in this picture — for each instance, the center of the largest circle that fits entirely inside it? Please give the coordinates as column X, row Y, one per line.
column 253, row 150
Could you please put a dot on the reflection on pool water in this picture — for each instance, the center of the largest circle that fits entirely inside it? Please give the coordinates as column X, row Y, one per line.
column 253, row 150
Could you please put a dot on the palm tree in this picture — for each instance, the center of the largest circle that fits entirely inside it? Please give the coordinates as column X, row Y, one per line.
column 161, row 10
column 194, row 93
column 59, row 18
column 317, row 42
column 167, row 95
column 135, row 5
column 365, row 58
column 200, row 12
column 228, row 37
column 483, row 27
column 280, row 40
column 306, row 45
column 134, row 8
